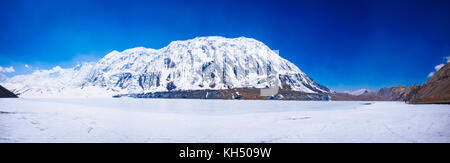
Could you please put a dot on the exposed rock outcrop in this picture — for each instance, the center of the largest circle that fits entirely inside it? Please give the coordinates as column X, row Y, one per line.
column 235, row 93
column 4, row 93
column 397, row 93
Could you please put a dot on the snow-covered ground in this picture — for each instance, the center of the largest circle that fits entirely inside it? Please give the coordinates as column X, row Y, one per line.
column 178, row 120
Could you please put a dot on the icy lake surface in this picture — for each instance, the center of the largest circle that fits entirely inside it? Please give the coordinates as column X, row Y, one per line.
column 178, row 120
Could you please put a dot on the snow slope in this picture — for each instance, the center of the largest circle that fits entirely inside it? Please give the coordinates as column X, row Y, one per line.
column 177, row 120
column 56, row 82
column 200, row 63
column 357, row 92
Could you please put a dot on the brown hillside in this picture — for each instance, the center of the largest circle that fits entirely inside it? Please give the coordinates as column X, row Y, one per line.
column 436, row 90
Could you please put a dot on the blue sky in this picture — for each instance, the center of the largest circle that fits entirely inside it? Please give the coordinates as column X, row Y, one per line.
column 342, row 44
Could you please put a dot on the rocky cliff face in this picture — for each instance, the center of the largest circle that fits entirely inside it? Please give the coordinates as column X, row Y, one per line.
column 235, row 93
column 397, row 93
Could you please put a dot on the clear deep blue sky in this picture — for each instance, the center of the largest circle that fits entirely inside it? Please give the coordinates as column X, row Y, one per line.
column 341, row 44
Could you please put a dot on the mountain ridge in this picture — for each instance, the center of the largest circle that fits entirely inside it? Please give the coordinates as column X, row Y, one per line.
column 435, row 91
column 201, row 63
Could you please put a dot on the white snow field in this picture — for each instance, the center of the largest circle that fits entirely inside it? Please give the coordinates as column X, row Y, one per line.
column 179, row 120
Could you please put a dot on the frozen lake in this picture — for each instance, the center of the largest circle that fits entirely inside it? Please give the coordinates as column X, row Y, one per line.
column 179, row 120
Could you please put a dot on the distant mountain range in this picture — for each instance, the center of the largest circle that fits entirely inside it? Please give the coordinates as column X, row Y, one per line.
column 203, row 63
column 205, row 68
column 435, row 90
column 357, row 92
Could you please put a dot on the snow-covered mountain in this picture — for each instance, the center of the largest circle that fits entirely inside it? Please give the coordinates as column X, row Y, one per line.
column 196, row 64
column 357, row 92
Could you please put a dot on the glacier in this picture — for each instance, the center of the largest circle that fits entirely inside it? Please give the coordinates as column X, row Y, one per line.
column 212, row 62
